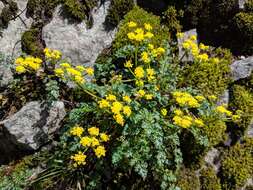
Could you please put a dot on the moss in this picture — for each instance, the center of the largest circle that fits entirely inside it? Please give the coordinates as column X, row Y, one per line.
column 30, row 42
column 237, row 165
column 209, row 78
column 8, row 13
column 215, row 129
column 171, row 19
column 249, row 6
column 187, row 180
column 242, row 99
column 140, row 16
column 117, row 10
column 209, row 179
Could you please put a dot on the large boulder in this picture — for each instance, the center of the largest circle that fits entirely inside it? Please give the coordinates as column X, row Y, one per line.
column 78, row 43
column 11, row 36
column 29, row 129
column 242, row 68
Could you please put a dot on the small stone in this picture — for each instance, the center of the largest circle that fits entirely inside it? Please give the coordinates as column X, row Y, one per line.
column 242, row 68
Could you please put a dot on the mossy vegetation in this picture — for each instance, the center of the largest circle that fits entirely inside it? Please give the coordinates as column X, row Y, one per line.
column 242, row 99
column 209, row 179
column 117, row 10
column 237, row 165
column 8, row 13
column 140, row 16
column 188, row 180
column 210, row 78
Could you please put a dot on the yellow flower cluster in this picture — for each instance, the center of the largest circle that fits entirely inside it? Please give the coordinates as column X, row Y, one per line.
column 93, row 140
column 223, row 110
column 117, row 108
column 185, row 99
column 79, row 159
column 138, row 35
column 75, row 73
column 52, row 54
column 28, row 63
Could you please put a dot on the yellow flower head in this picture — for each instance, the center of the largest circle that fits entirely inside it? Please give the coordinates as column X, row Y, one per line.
column 203, row 57
column 164, row 112
column 131, row 36
column 139, row 72
column 132, row 24
column 116, row 107
column 65, row 65
column 149, row 35
column 104, row 137
column 139, row 83
column 80, row 68
column 85, row 141
column 119, row 119
column 78, row 79
column 100, row 151
column 79, row 158
column 73, row 72
column 89, row 71
column 184, row 121
column 148, row 26
column 145, row 57
column 93, row 131
column 199, row 122
column 150, row 72
column 200, row 98
column 127, row 110
column 59, row 72
column 20, row 69
column 141, row 93
column 178, row 112
column 111, row 97
column 103, row 103
column 193, row 37
column 180, row 35
column 19, row 61
column 77, row 131
column 150, row 46
column 94, row 142
column 128, row 64
column 149, row 96
column 215, row 60
column 160, row 50
column 127, row 99
column 203, row 47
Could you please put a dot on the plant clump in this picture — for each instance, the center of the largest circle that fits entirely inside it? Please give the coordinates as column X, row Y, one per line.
column 209, row 179
column 8, row 13
column 188, row 180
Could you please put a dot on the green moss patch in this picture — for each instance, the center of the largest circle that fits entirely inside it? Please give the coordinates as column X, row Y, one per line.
column 187, row 180
column 209, row 180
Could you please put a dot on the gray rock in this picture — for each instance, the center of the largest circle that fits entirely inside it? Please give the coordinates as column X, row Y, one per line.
column 75, row 41
column 211, row 159
column 242, row 3
column 249, row 132
column 29, row 129
column 224, row 98
column 6, row 75
column 187, row 34
column 10, row 40
column 242, row 68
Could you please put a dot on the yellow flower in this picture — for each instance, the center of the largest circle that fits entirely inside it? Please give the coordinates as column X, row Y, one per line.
column 100, row 151
column 186, row 45
column 178, row 112
column 139, row 83
column 149, row 35
column 180, row 35
column 139, row 31
column 78, row 79
column 127, row 99
column 139, row 37
column 222, row 109
column 200, row 98
column 85, row 141
column 186, row 99
column 151, row 46
column 164, row 112
column 149, row 96
column 73, row 72
column 141, row 93
column 65, row 65
column 212, row 97
column 104, row 137
column 79, row 158
column 93, row 131
column 145, row 57
column 215, row 60
column 94, row 142
column 235, row 118
column 150, row 72
column 77, row 131
column 132, row 24
column 119, row 119
column 59, row 72
column 103, row 103
column 80, row 68
column 193, row 37
column 160, row 50
column 127, row 110
column 111, row 97
column 184, row 122
column 148, row 26
column 203, row 47
column 131, row 36
column 203, row 57
column 20, row 69
column 128, row 64
column 19, row 60
column 89, row 71
column 34, row 66
column 139, row 72
column 116, row 107
column 199, row 122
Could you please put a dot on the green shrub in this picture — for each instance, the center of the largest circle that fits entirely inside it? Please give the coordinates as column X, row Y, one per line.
column 242, row 99
column 237, row 165
column 208, row 77
column 188, row 180
column 140, row 16
column 30, row 42
column 209, row 180
column 171, row 19
column 248, row 6
column 117, row 10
